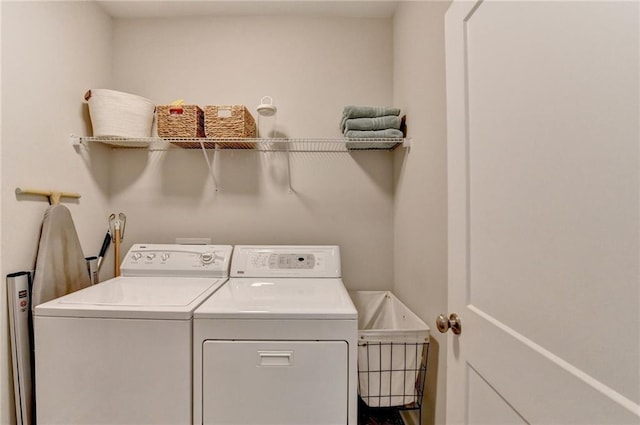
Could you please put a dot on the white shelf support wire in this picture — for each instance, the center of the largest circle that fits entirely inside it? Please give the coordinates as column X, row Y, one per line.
column 289, row 172
column 209, row 164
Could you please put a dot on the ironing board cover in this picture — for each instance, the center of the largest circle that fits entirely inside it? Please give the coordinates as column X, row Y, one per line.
column 61, row 267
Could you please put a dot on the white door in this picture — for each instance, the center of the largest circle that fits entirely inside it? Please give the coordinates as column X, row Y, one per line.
column 543, row 127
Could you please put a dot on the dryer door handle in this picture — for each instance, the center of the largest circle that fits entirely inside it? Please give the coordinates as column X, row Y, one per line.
column 275, row 358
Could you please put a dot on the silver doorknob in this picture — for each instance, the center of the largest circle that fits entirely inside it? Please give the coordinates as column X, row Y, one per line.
column 453, row 323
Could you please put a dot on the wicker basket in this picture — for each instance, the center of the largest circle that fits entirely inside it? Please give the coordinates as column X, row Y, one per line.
column 229, row 122
column 180, row 121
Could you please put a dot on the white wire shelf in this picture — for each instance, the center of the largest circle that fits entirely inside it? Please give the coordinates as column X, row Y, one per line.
column 266, row 145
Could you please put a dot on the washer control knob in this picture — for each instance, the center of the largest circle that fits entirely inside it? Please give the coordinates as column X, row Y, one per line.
column 137, row 256
column 151, row 256
column 207, row 257
column 165, row 256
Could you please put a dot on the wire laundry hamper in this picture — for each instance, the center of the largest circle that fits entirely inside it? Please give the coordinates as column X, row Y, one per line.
column 392, row 374
column 393, row 349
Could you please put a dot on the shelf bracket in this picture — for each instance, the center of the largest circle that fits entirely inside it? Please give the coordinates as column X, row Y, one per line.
column 291, row 191
column 209, row 164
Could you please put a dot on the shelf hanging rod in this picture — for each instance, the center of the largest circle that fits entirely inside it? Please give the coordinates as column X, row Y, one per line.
column 53, row 195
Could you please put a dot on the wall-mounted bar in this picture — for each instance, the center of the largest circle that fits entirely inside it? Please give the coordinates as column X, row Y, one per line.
column 53, row 195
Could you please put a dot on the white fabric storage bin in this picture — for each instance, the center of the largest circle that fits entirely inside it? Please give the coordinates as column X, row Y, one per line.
column 392, row 347
column 119, row 114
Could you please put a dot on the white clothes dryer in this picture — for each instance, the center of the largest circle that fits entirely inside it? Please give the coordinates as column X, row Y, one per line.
column 277, row 344
column 119, row 352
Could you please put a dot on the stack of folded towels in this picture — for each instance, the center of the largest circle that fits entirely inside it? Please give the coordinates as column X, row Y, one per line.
column 371, row 122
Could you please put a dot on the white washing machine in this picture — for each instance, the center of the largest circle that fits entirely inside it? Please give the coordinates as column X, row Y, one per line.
column 277, row 344
column 120, row 352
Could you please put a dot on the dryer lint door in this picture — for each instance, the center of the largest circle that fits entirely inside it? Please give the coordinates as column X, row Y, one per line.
column 275, row 382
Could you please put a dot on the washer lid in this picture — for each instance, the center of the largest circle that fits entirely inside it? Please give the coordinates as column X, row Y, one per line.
column 134, row 298
column 279, row 298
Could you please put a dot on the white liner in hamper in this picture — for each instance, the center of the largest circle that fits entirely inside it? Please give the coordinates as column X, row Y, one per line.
column 120, row 115
column 387, row 374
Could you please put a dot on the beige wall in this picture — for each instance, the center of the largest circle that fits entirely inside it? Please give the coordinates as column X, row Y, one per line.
column 312, row 67
column 51, row 53
column 420, row 216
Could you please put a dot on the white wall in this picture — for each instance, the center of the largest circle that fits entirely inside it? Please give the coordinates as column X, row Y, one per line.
column 312, row 67
column 51, row 53
column 420, row 215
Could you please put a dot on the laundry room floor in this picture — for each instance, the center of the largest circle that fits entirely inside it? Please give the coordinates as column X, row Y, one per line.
column 369, row 416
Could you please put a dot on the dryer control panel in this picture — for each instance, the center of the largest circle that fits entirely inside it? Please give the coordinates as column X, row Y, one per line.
column 286, row 261
column 177, row 260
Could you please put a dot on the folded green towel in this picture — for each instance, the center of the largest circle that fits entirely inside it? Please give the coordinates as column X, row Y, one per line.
column 389, row 133
column 378, row 123
column 353, row 111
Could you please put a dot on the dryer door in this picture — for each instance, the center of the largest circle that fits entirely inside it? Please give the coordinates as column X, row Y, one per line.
column 275, row 382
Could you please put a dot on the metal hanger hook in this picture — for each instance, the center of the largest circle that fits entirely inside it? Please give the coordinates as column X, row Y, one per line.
column 117, row 223
column 123, row 222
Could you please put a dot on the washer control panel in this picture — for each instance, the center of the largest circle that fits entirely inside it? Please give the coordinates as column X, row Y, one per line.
column 177, row 260
column 286, row 261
